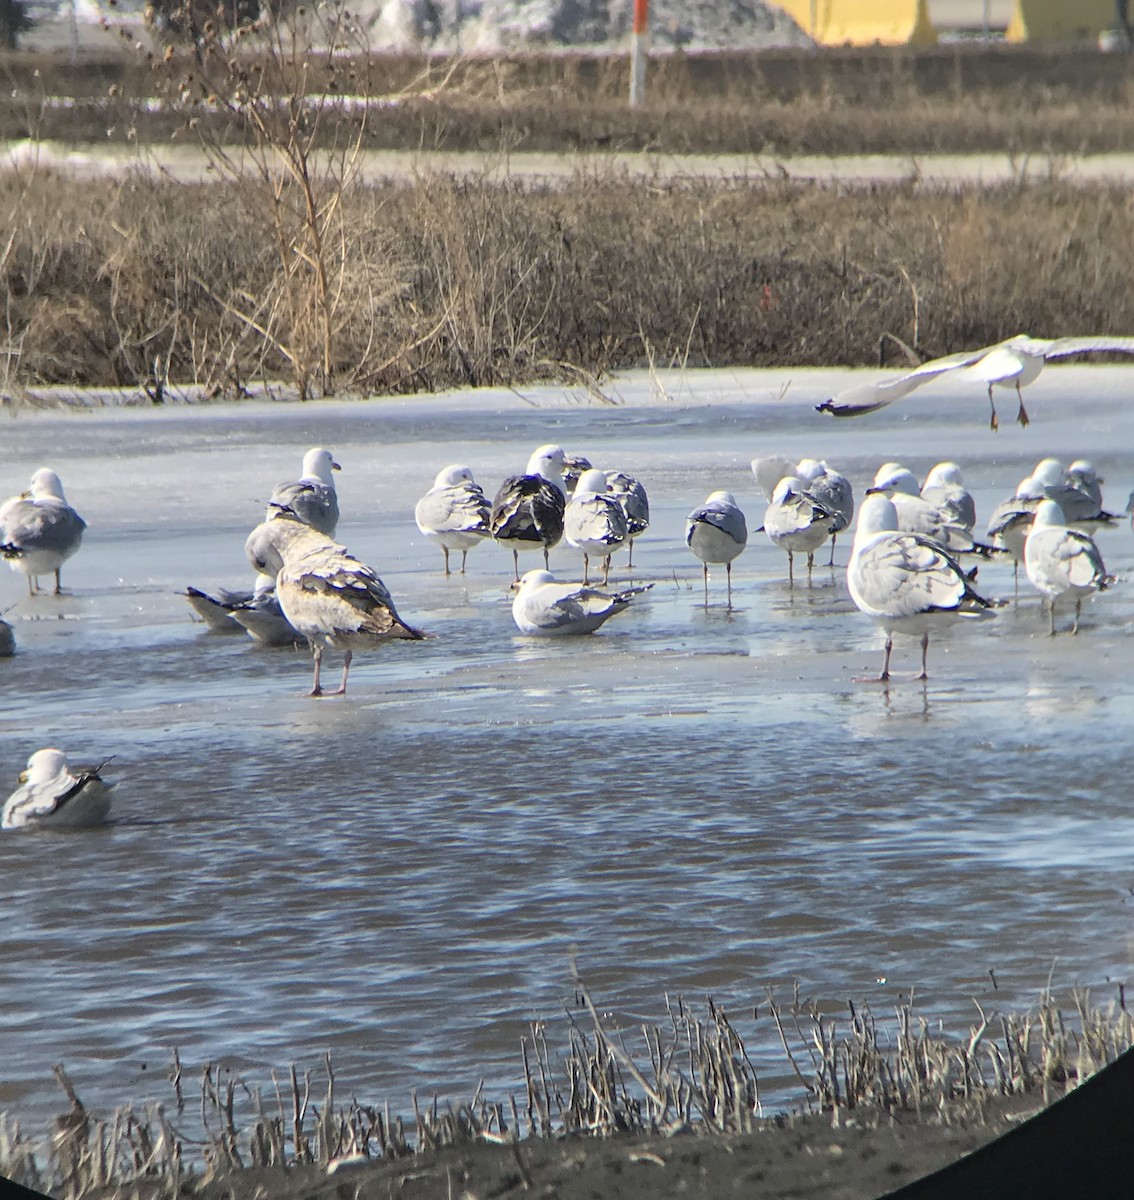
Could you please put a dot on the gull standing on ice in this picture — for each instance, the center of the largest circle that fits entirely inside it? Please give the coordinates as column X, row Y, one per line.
column 905, row 582
column 797, row 522
column 312, row 497
column 1061, row 561
column 594, row 522
column 527, row 513
column 546, row 608
column 39, row 530
column 332, row 598
column 716, row 532
column 635, row 504
column 52, row 794
column 454, row 513
column 916, row 515
column 1013, row 363
column 833, row 491
column 944, row 488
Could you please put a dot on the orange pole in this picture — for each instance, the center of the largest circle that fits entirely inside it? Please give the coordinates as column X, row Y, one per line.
column 641, row 15
column 639, row 39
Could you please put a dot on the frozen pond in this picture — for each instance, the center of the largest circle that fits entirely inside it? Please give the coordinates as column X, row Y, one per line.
column 700, row 800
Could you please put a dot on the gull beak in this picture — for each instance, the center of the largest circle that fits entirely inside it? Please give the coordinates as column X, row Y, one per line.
column 335, row 466
column 874, row 491
column 23, row 776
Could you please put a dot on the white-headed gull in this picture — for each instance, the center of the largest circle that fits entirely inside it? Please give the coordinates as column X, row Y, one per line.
column 527, row 513
column 916, row 515
column 594, row 522
column 631, row 495
column 312, row 497
column 39, row 530
column 1061, row 561
column 797, row 522
column 51, row 793
column 454, row 513
column 332, row 598
column 545, row 608
column 905, row 582
column 716, row 533
column 944, row 488
column 1013, row 363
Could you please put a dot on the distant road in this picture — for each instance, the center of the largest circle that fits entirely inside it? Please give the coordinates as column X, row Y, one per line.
column 189, row 164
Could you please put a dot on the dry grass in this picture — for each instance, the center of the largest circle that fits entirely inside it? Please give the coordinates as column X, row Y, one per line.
column 690, row 1075
column 447, row 281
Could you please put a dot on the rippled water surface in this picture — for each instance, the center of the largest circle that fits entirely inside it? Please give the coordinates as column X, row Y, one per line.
column 699, row 800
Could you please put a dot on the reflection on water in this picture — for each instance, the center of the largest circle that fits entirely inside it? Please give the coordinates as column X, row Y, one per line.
column 700, row 799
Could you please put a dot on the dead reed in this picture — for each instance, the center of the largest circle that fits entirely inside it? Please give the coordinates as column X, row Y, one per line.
column 689, row 1075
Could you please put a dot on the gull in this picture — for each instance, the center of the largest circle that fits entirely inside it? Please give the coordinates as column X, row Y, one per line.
column 905, row 582
column 1082, row 506
column 312, row 497
column 833, row 491
column 39, row 530
column 916, row 515
column 944, row 488
column 635, row 504
column 1082, row 476
column 797, row 522
column 545, row 608
column 716, row 532
column 330, row 597
column 770, row 470
column 216, row 611
column 454, row 513
column 1013, row 363
column 527, row 513
column 256, row 613
column 573, row 467
column 7, row 640
column 1061, row 561
column 51, row 793
column 594, row 522
column 1011, row 519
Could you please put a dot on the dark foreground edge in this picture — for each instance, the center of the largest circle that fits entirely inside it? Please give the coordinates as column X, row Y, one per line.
column 1082, row 1145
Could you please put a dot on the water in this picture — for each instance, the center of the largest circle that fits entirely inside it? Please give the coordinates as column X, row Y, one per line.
column 698, row 800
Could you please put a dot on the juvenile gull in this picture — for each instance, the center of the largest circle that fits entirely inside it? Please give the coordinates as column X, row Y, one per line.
column 905, row 582
column 312, row 497
column 39, row 530
column 594, row 522
column 797, row 522
column 545, row 608
column 1013, row 363
column 527, row 513
column 716, row 533
column 52, row 794
column 332, row 598
column 454, row 513
column 1061, row 561
column 635, row 504
column 944, row 488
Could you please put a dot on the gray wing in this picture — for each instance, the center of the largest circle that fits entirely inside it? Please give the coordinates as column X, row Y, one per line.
column 1061, row 347
column 723, row 517
column 461, row 509
column 315, row 504
column 835, row 493
column 632, row 498
column 904, row 575
column 30, row 526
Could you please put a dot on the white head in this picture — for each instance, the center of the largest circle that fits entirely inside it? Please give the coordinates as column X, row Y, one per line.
column 809, row 469
column 534, row 579
column 318, row 465
column 591, row 483
column 877, row 514
column 1048, row 514
column 944, row 474
column 548, row 462
column 721, row 498
column 1049, row 472
column 452, row 475
column 893, row 477
column 786, row 487
column 45, row 485
column 1083, row 471
column 44, row 765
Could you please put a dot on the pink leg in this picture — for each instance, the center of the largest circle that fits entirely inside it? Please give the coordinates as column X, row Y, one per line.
column 317, row 651
column 924, row 654
column 1022, row 415
column 346, row 669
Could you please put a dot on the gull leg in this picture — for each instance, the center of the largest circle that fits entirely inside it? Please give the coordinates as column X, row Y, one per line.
column 605, row 570
column 790, row 569
column 1021, row 415
column 445, row 551
column 631, row 562
column 317, row 651
column 831, row 560
column 810, row 564
column 728, row 577
column 924, row 655
column 586, row 568
column 1051, row 617
column 346, row 670
column 705, row 573
column 994, row 420
column 516, row 563
column 31, row 590
column 546, row 561
column 58, row 583
column 464, row 559
column 885, row 676
column 1078, row 610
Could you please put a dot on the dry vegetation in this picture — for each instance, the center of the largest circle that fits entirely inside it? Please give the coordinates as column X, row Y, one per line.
column 692, row 1075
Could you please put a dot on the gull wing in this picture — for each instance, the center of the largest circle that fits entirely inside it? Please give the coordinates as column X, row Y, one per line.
column 904, row 575
column 1061, row 347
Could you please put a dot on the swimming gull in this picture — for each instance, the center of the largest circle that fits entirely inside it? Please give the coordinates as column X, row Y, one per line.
column 51, row 793
column 454, row 513
column 1061, row 561
column 312, row 497
column 39, row 530
column 944, row 488
column 527, row 513
column 545, row 608
column 635, row 504
column 594, row 522
column 716, row 533
column 905, row 582
column 797, row 522
column 332, row 598
column 1013, row 363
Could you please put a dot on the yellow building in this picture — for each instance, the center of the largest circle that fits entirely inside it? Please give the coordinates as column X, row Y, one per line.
column 864, row 22
column 1058, row 19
